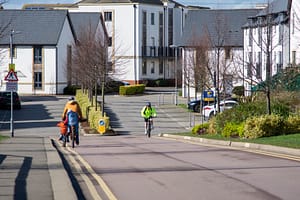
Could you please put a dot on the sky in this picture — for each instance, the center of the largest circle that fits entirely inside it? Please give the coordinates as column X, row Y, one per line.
column 214, row 4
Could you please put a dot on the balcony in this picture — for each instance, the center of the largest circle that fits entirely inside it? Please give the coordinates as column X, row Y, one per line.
column 158, row 52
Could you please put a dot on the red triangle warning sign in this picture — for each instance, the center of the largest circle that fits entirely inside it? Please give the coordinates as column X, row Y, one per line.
column 11, row 76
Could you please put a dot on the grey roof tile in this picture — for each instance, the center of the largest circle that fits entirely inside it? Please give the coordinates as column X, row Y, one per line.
column 82, row 20
column 276, row 6
column 34, row 27
column 224, row 27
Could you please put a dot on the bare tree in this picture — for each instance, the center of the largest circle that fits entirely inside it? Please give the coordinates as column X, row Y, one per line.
column 89, row 60
column 92, row 62
column 197, row 71
column 270, row 36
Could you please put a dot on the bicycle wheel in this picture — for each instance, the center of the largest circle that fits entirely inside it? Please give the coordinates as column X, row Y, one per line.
column 149, row 129
column 73, row 136
column 64, row 140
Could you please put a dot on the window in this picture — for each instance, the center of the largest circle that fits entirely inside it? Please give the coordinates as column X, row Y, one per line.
column 227, row 53
column 144, row 29
column 259, row 36
column 152, row 68
column 161, row 29
column 109, row 41
column 144, row 68
column 258, row 65
column 280, row 36
column 161, row 67
column 293, row 23
column 170, row 26
column 37, row 80
column 37, row 55
column 152, row 18
column 108, row 16
column 294, row 57
column 250, row 37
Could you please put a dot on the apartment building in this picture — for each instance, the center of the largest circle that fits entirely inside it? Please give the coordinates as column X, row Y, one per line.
column 272, row 41
column 142, row 34
column 219, row 35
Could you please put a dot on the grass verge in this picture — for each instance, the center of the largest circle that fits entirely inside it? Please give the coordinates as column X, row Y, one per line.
column 290, row 141
column 3, row 137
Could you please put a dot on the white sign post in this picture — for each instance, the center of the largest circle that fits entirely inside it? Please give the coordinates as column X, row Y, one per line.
column 11, row 85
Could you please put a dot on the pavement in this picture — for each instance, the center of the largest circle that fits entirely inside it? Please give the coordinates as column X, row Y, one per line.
column 38, row 167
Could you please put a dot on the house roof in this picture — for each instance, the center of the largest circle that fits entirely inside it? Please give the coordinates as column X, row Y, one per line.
column 276, row 6
column 32, row 27
column 156, row 2
column 223, row 27
column 83, row 19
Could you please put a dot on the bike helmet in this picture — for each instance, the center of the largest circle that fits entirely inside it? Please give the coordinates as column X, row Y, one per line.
column 71, row 98
column 148, row 104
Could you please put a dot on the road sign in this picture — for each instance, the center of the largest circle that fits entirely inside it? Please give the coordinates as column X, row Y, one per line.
column 12, row 86
column 11, row 76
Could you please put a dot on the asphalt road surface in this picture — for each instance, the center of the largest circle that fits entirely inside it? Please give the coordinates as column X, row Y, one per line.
column 131, row 166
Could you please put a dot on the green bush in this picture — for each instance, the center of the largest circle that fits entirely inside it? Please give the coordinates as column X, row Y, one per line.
column 264, row 126
column 71, row 90
column 200, row 129
column 89, row 112
column 132, row 89
column 292, row 124
column 243, row 111
column 238, row 90
column 163, row 83
column 232, row 130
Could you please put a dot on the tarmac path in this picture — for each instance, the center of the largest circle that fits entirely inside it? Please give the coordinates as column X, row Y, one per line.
column 30, row 167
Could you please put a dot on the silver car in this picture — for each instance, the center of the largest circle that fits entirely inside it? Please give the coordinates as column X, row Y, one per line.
column 211, row 110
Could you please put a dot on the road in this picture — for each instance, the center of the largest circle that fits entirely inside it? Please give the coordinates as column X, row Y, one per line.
column 130, row 166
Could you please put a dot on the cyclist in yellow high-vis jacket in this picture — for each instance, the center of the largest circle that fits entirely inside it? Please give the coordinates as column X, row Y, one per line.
column 148, row 113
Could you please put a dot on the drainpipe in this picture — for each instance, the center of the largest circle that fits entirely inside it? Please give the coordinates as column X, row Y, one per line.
column 56, row 74
column 134, row 43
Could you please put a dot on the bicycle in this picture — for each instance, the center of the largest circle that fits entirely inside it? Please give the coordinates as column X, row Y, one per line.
column 72, row 135
column 149, row 127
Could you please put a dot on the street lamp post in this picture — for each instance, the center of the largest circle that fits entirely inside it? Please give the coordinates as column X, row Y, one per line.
column 175, row 74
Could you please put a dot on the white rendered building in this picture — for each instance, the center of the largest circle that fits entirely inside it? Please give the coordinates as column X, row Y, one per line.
column 142, row 36
column 279, row 26
column 42, row 44
column 220, row 31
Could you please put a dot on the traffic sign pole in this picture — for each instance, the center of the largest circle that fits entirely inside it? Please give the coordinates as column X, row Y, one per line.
column 12, row 114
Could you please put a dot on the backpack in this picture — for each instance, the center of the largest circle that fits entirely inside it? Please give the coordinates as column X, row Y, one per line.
column 73, row 118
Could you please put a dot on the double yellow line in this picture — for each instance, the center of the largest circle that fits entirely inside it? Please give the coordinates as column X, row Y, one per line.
column 91, row 187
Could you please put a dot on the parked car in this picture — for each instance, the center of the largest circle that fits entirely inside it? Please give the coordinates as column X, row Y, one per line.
column 5, row 100
column 195, row 105
column 210, row 110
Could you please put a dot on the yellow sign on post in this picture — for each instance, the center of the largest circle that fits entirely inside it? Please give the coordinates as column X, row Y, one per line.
column 102, row 126
column 11, row 67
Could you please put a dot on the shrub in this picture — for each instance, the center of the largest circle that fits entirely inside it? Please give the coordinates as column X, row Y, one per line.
column 232, row 130
column 292, row 124
column 263, row 126
column 200, row 129
column 70, row 90
column 243, row 111
column 212, row 126
column 132, row 89
column 238, row 90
